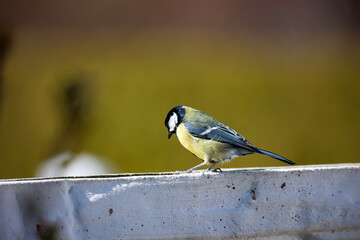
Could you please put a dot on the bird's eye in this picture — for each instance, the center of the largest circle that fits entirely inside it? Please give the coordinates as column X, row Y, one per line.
column 173, row 122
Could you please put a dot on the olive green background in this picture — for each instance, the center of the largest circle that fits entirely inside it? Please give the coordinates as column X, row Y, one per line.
column 301, row 102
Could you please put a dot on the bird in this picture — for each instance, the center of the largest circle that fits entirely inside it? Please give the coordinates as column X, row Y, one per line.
column 209, row 139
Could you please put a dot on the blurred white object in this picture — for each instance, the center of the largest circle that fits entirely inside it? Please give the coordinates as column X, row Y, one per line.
column 71, row 164
column 67, row 157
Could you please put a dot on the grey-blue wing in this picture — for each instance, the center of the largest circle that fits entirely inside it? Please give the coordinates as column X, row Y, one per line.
column 220, row 133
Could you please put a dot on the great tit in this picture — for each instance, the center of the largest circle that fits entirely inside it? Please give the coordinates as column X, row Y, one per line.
column 209, row 139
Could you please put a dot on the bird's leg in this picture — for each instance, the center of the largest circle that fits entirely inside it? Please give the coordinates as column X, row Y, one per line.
column 214, row 170
column 197, row 166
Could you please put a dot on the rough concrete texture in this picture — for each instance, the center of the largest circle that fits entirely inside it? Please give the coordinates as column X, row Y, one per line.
column 302, row 202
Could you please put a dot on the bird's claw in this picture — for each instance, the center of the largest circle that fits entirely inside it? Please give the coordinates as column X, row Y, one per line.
column 215, row 170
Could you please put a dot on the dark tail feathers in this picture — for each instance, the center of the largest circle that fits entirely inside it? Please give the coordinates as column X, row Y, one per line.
column 273, row 155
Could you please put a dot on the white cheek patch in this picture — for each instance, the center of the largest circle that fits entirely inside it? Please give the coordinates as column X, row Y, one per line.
column 173, row 122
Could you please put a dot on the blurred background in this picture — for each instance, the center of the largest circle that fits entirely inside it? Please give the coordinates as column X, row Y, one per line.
column 89, row 83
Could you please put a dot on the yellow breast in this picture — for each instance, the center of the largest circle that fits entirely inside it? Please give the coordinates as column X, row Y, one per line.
column 204, row 149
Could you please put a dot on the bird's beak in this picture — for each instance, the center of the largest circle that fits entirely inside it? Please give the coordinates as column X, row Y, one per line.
column 170, row 134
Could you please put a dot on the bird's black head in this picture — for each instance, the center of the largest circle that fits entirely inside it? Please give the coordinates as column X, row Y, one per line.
column 173, row 119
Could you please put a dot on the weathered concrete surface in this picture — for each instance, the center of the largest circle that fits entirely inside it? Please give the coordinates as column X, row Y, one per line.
column 301, row 202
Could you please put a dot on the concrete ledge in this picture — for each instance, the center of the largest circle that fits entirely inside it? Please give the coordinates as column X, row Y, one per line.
column 301, row 202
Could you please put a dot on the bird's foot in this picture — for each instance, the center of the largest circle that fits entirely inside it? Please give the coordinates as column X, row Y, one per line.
column 188, row 171
column 216, row 170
